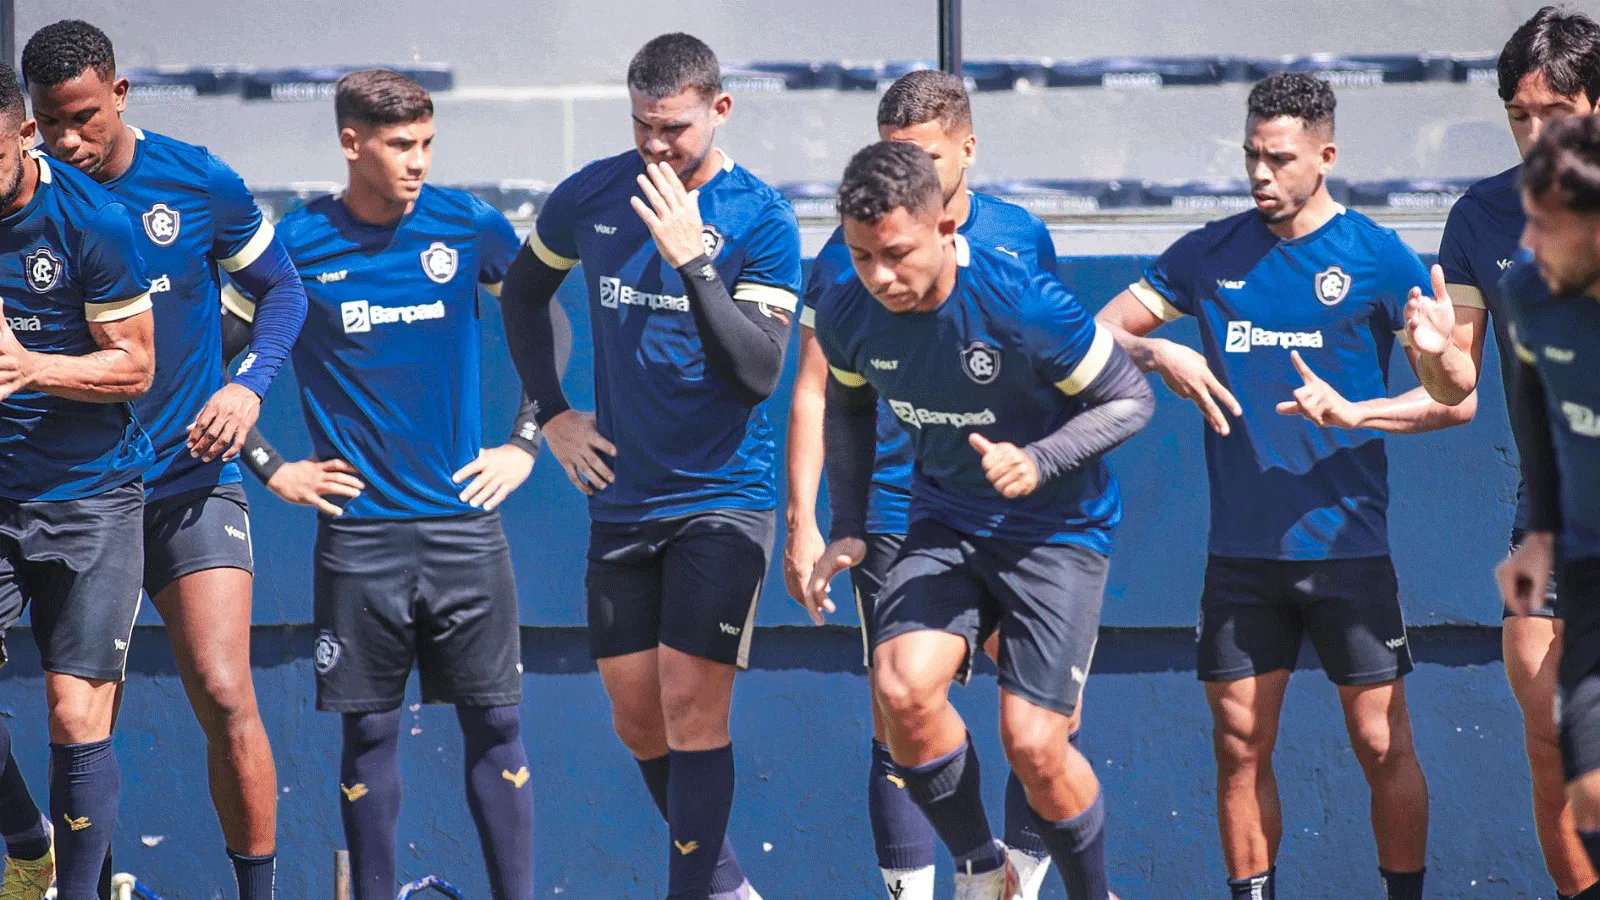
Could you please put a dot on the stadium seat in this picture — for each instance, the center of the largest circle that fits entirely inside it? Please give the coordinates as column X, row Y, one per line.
column 317, row 82
column 1344, row 71
column 812, row 199
column 167, row 83
column 1064, row 197
column 794, row 76
column 1410, row 193
column 1136, row 72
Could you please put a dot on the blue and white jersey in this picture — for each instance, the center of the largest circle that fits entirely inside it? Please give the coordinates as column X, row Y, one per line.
column 197, row 215
column 1556, row 335
column 1281, row 486
column 991, row 222
column 687, row 440
column 1005, row 357
column 388, row 362
column 68, row 258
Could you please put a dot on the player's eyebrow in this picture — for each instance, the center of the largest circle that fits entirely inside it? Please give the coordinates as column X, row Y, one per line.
column 676, row 123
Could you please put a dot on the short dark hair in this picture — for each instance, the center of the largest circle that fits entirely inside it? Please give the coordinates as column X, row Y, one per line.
column 926, row 95
column 379, row 97
column 1561, row 43
column 885, row 176
column 1299, row 94
column 12, row 109
column 66, row 49
column 1567, row 158
column 672, row 62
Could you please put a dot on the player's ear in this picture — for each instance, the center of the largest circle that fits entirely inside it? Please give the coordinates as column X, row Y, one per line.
column 350, row 143
column 28, row 133
column 720, row 108
column 119, row 92
column 969, row 151
column 1330, row 154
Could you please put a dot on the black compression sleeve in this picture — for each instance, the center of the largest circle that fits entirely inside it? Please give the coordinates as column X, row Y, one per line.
column 1118, row 402
column 744, row 342
column 850, row 442
column 236, row 334
column 1538, row 450
column 525, row 430
column 525, row 297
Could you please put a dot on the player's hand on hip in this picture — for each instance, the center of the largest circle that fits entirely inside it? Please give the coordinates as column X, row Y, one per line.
column 1186, row 374
column 576, row 444
column 222, row 426
column 844, row 553
column 1008, row 467
column 671, row 213
column 311, row 482
column 1524, row 576
column 495, row 474
column 16, row 362
column 801, row 550
column 1318, row 401
column 1431, row 321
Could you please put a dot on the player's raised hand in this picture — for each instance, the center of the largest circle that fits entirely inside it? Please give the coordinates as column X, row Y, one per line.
column 1318, row 401
column 1187, row 375
column 671, row 213
column 576, row 444
column 1524, row 576
column 16, row 364
column 222, row 426
column 495, row 474
column 839, row 555
column 311, row 482
column 1008, row 467
column 1431, row 321
column 801, row 550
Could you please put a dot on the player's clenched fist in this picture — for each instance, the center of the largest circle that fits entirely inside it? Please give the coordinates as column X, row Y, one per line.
column 577, row 445
column 839, row 555
column 672, row 214
column 1524, row 576
column 1008, row 467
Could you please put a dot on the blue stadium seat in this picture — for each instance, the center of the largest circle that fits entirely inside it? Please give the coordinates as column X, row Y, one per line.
column 794, row 76
column 1410, row 193
column 812, row 199
column 1475, row 69
column 1136, row 72
column 1004, row 74
column 317, row 82
column 1062, row 197
column 183, row 82
column 1219, row 196
column 1343, row 71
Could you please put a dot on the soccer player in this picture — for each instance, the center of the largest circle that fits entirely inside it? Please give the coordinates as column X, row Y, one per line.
column 410, row 566
column 198, row 216
column 930, row 110
column 1554, row 307
column 692, row 266
column 77, row 345
column 1299, row 302
column 1011, row 394
column 1550, row 68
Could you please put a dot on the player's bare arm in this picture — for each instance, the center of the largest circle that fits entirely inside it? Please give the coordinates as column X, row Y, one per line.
column 118, row 372
column 1413, row 412
column 803, row 458
column 1447, row 340
column 1183, row 369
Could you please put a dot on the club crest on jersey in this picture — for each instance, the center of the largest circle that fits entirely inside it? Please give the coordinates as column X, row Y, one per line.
column 327, row 652
column 161, row 223
column 981, row 362
column 712, row 239
column 43, row 270
column 1332, row 285
column 439, row 262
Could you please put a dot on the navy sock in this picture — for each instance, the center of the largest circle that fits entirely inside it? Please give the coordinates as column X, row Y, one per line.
column 902, row 834
column 256, row 875
column 85, row 788
column 369, row 800
column 950, row 794
column 1404, row 885
column 500, row 795
column 1078, row 846
column 699, row 799
column 1592, row 892
column 1021, row 832
column 729, row 877
column 20, row 822
column 1256, row 887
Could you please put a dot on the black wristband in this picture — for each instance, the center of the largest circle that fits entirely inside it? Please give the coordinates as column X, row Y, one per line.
column 260, row 457
column 525, row 434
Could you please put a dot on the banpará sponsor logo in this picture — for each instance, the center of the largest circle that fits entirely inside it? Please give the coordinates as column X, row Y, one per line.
column 25, row 323
column 917, row 417
column 1242, row 336
column 359, row 315
column 614, row 294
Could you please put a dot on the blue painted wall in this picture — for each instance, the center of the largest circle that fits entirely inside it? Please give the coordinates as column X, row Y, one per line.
column 801, row 718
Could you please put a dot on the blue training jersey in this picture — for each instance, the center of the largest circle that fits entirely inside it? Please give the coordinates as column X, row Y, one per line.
column 1282, row 487
column 1004, row 357
column 1480, row 243
column 991, row 222
column 687, row 439
column 388, row 362
column 198, row 215
column 68, row 258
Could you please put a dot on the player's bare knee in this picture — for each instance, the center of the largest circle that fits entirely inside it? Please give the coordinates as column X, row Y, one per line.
column 76, row 721
column 1036, row 754
column 1379, row 746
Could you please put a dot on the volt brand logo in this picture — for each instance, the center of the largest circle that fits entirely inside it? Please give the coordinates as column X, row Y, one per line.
column 360, row 316
column 1559, row 355
column 234, row 533
column 24, row 323
column 1230, row 285
column 1581, row 419
column 614, row 295
column 330, row 277
column 604, row 229
column 916, row 416
column 1242, row 335
column 885, row 365
column 729, row 629
column 161, row 285
column 1504, row 264
column 1395, row 643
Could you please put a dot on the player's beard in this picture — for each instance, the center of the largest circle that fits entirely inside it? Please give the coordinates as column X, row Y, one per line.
column 12, row 186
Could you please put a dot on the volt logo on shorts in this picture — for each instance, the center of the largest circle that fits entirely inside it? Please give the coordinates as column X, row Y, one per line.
column 1581, row 419
column 917, row 417
column 1395, row 643
column 234, row 533
column 1242, row 335
column 360, row 316
column 729, row 629
column 614, row 294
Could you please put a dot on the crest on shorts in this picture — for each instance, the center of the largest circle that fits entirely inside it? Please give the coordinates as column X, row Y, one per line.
column 43, row 270
column 161, row 224
column 712, row 239
column 439, row 262
column 1332, row 285
column 327, row 652
column 981, row 361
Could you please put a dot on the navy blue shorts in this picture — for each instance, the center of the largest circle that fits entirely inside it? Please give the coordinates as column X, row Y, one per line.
column 1254, row 613
column 79, row 563
column 690, row 583
column 207, row 528
column 867, row 579
column 1044, row 598
column 1552, row 597
column 436, row 592
column 1577, row 709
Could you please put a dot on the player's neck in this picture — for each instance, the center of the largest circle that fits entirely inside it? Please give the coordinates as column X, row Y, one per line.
column 1317, row 212
column 960, row 206
column 945, row 284
column 29, row 186
column 120, row 159
column 707, row 170
column 368, row 206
